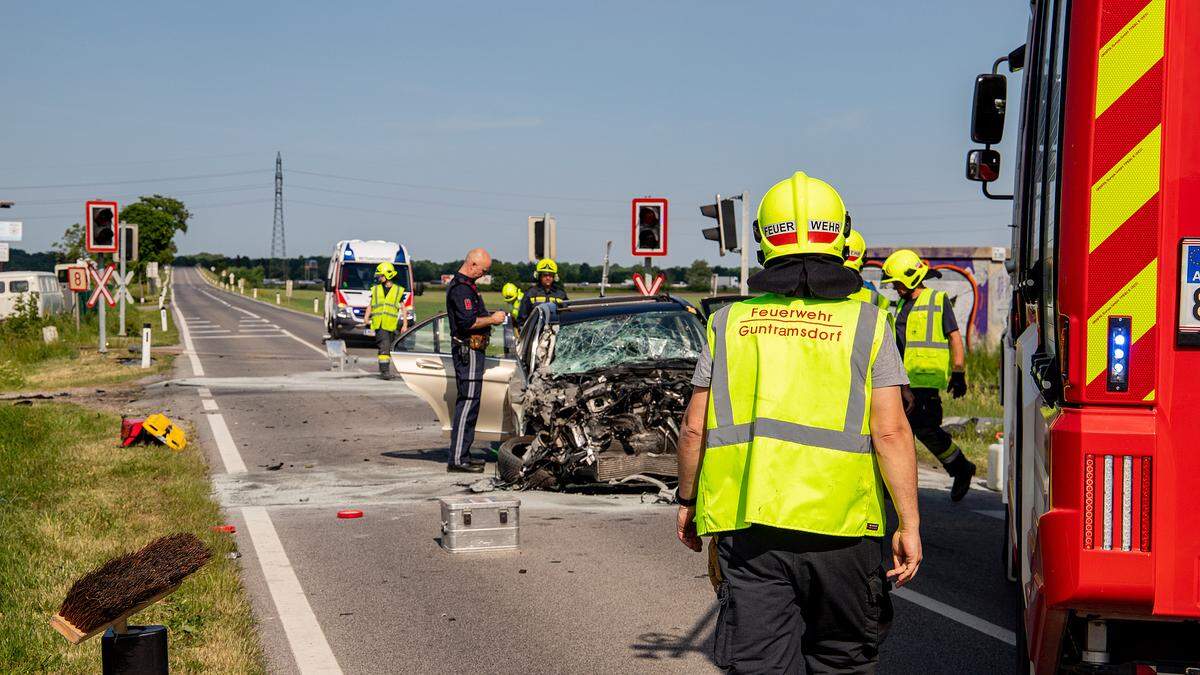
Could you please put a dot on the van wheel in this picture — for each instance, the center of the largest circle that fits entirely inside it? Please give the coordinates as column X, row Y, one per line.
column 510, row 458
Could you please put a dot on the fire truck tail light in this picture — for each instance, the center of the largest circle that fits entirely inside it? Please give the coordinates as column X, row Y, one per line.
column 1116, row 501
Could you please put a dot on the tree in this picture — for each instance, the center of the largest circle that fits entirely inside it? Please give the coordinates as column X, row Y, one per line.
column 699, row 276
column 158, row 219
column 70, row 247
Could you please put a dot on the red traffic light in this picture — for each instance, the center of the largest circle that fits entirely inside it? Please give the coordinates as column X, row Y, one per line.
column 649, row 227
column 102, row 227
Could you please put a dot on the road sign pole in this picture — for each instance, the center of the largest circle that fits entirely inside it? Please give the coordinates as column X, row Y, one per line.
column 647, row 274
column 121, row 297
column 103, row 348
column 604, row 272
column 745, row 245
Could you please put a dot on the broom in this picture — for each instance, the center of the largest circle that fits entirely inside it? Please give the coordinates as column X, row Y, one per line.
column 127, row 584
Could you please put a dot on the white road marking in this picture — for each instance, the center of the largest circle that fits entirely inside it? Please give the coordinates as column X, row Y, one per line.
column 208, row 331
column 303, row 631
column 310, row 649
column 311, row 346
column 225, row 445
column 245, row 336
column 208, row 404
column 954, row 614
column 188, row 347
column 998, row 514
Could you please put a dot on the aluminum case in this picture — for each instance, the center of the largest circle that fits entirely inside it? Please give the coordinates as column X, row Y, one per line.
column 480, row 523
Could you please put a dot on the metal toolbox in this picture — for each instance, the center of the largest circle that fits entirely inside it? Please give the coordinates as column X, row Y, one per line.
column 480, row 523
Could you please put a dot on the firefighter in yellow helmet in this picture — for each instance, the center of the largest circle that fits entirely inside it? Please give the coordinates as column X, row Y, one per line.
column 385, row 313
column 794, row 428
column 931, row 344
column 546, row 288
column 856, row 250
column 513, row 296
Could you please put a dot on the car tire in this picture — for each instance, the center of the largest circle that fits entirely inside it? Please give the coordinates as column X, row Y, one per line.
column 510, row 458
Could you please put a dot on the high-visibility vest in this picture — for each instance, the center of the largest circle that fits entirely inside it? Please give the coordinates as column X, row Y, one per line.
column 788, row 437
column 926, row 346
column 516, row 306
column 385, row 307
column 872, row 296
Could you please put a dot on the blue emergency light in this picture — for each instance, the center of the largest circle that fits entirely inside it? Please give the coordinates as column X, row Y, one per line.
column 1120, row 337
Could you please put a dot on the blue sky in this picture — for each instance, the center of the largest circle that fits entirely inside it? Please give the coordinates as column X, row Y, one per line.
column 500, row 110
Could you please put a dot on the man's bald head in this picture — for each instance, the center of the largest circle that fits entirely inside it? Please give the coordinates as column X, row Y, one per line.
column 477, row 263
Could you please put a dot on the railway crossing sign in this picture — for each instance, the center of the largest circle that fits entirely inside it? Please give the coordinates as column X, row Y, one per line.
column 122, row 289
column 654, row 286
column 101, row 281
column 77, row 278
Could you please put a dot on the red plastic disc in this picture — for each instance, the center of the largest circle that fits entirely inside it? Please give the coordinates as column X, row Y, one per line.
column 349, row 513
column 225, row 528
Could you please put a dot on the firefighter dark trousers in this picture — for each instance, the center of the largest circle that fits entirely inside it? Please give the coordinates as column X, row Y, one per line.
column 794, row 602
column 468, row 377
column 383, row 342
column 926, row 422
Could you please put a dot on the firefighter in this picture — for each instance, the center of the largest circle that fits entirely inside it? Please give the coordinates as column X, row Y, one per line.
column 545, row 290
column 513, row 296
column 928, row 337
column 470, row 330
column 384, row 313
column 856, row 249
column 793, row 429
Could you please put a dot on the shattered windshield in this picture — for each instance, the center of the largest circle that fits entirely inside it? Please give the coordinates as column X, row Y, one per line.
column 624, row 339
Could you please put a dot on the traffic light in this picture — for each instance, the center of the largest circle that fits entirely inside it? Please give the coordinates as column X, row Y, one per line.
column 648, row 226
column 725, row 233
column 102, row 224
column 543, row 237
column 129, row 242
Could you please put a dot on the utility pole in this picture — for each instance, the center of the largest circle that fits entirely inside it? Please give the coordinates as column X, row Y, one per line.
column 745, row 245
column 278, row 246
column 604, row 272
column 4, row 205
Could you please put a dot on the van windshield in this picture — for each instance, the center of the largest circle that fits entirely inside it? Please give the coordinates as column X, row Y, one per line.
column 359, row 276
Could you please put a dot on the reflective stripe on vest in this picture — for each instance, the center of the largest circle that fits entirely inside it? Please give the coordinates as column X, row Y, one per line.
column 516, row 306
column 926, row 346
column 783, row 449
column 385, row 307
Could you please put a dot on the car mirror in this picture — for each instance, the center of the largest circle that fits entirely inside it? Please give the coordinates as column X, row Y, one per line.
column 328, row 285
column 987, row 109
column 983, row 165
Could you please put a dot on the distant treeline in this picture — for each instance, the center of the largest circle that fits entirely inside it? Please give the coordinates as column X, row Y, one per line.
column 426, row 270
column 21, row 260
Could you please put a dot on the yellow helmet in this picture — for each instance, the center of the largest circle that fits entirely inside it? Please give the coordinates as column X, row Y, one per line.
column 856, row 249
column 801, row 215
column 546, row 266
column 906, row 267
column 509, row 292
column 386, row 270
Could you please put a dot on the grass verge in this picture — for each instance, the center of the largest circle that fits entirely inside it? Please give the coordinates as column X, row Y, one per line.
column 70, row 500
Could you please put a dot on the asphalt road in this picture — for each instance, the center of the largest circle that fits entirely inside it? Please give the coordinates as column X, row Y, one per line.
column 599, row 583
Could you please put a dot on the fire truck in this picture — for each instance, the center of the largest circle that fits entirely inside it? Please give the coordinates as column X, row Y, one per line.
column 1101, row 373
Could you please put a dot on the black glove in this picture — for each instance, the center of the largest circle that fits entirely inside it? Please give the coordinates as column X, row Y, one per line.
column 958, row 384
column 907, row 398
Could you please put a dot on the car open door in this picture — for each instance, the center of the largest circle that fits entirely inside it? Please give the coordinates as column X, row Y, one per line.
column 422, row 358
column 712, row 304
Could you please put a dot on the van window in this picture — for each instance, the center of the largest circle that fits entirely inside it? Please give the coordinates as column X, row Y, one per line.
column 1, row 286
column 18, row 286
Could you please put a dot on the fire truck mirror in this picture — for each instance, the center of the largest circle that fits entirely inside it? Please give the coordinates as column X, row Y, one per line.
column 987, row 110
column 983, row 165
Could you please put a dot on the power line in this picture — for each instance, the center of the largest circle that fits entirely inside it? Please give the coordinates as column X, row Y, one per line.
column 130, row 163
column 174, row 193
column 617, row 214
column 77, row 216
column 131, row 182
column 416, row 186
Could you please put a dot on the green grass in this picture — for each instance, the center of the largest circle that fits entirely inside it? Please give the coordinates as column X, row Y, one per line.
column 28, row 362
column 982, row 400
column 70, row 498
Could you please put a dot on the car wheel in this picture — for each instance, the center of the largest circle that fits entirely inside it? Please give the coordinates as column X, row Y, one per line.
column 510, row 458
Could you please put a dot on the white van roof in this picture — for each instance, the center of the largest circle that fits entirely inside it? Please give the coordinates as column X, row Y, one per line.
column 23, row 275
column 374, row 250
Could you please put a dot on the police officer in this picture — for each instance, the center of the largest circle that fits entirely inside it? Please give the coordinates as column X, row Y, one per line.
column 513, row 296
column 856, row 249
column 470, row 328
column 793, row 430
column 928, row 337
column 384, row 313
column 545, row 290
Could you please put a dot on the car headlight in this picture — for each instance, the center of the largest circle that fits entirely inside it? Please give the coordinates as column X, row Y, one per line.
column 345, row 313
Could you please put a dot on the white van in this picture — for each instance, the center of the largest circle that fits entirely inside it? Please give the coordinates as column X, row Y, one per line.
column 349, row 278
column 42, row 285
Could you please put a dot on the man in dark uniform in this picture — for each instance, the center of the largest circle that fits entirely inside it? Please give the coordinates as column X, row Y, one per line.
column 470, row 326
column 545, row 290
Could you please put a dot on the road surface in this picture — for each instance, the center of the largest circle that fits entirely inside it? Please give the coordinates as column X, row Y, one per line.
column 599, row 584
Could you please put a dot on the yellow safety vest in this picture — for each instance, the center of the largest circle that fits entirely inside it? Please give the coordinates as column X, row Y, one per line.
column 516, row 306
column 385, row 307
column 872, row 296
column 926, row 346
column 788, row 432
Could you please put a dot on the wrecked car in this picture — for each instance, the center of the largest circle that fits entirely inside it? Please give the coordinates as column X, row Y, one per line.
column 593, row 392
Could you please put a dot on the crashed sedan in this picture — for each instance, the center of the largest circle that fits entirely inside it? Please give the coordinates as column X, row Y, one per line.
column 594, row 392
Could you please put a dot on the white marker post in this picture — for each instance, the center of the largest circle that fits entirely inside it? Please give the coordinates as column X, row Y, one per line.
column 145, row 345
column 316, row 306
column 255, row 293
column 277, row 298
column 162, row 313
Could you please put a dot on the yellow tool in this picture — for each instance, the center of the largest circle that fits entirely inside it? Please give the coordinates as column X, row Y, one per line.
column 160, row 427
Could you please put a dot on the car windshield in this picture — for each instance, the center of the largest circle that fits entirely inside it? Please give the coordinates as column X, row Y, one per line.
column 358, row 276
column 627, row 339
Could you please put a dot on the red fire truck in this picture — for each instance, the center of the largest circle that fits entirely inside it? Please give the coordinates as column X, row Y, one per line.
column 1102, row 364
